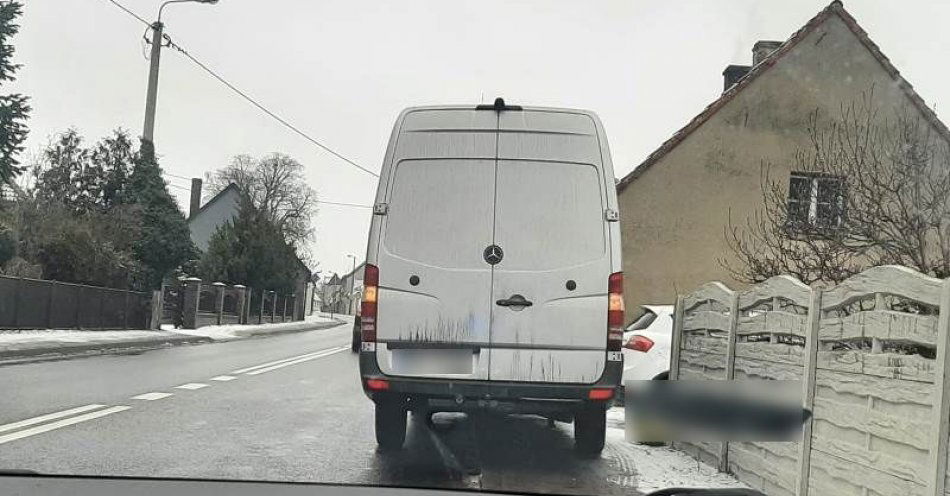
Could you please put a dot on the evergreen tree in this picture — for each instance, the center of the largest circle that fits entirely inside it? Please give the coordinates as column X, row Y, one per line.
column 164, row 242
column 14, row 108
column 250, row 250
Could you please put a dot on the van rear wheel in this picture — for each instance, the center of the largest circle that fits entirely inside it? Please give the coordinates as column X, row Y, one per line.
column 590, row 428
column 390, row 424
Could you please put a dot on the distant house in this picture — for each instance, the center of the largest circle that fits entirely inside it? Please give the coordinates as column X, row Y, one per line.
column 676, row 206
column 330, row 294
column 352, row 290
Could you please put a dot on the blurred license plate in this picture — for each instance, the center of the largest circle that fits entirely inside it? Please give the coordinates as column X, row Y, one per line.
column 433, row 361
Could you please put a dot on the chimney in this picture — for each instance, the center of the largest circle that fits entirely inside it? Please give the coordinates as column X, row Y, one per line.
column 763, row 49
column 732, row 75
column 195, row 197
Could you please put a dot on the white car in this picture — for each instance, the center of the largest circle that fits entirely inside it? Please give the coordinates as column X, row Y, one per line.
column 646, row 344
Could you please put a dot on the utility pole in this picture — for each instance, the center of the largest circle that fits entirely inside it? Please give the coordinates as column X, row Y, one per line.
column 152, row 97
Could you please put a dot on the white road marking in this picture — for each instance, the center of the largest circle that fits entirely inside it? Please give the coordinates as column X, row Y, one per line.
column 275, row 362
column 192, row 385
column 61, row 423
column 48, row 416
column 223, row 378
column 299, row 360
column 151, row 396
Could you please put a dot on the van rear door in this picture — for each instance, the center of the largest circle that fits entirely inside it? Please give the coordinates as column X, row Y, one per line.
column 435, row 287
column 550, row 224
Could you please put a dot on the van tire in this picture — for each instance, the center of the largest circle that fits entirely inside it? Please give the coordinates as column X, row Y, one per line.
column 590, row 428
column 390, row 425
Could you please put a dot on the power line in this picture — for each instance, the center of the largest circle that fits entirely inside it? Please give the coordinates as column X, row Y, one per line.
column 245, row 96
column 357, row 205
column 127, row 11
column 264, row 109
column 179, row 187
column 177, row 176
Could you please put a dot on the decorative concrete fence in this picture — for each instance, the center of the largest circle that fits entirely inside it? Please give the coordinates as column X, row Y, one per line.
column 872, row 357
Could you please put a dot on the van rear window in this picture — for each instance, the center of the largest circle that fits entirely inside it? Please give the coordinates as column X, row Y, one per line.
column 549, row 214
column 440, row 211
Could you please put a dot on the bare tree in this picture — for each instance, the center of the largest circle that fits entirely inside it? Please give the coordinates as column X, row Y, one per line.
column 880, row 194
column 275, row 186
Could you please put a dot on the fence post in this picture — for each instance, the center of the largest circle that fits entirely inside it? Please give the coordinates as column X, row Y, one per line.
column 808, row 386
column 79, row 306
column 677, row 338
column 730, row 368
column 125, row 311
column 283, row 317
column 273, row 310
column 260, row 315
column 49, row 305
column 941, row 405
column 191, row 287
column 218, row 301
column 158, row 306
column 102, row 304
column 17, row 291
column 247, row 306
column 240, row 303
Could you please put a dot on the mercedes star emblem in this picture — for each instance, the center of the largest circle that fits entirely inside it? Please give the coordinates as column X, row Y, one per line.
column 494, row 254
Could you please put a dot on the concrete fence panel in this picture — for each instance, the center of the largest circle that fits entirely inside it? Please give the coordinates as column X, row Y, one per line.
column 706, row 318
column 770, row 345
column 871, row 355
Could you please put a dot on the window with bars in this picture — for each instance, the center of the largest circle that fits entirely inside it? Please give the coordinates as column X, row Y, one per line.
column 815, row 200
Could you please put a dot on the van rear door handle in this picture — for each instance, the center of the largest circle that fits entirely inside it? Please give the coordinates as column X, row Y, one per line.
column 515, row 301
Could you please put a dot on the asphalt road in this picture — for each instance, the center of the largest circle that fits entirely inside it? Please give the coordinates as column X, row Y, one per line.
column 285, row 408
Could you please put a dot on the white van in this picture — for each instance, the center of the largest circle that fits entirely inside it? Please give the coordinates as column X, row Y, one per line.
column 493, row 269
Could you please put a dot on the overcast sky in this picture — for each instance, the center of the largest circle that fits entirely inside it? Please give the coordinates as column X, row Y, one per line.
column 342, row 70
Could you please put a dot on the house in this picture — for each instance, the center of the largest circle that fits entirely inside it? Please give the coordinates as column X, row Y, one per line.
column 330, row 294
column 204, row 220
column 678, row 204
column 352, row 287
column 221, row 208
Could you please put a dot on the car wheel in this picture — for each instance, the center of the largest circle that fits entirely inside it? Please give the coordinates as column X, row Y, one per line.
column 590, row 428
column 390, row 424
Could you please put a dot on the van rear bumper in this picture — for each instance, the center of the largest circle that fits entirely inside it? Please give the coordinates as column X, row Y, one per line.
column 508, row 397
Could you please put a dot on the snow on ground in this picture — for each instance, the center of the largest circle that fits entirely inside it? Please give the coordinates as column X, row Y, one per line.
column 238, row 331
column 651, row 468
column 26, row 337
column 17, row 340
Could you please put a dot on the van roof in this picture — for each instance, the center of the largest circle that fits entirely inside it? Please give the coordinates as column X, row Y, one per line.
column 523, row 108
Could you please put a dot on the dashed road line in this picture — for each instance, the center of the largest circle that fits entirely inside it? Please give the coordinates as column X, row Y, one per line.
column 223, row 378
column 49, row 416
column 192, row 385
column 151, row 396
column 299, row 360
column 61, row 423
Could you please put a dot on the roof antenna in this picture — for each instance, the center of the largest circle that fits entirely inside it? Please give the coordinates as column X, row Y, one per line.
column 499, row 104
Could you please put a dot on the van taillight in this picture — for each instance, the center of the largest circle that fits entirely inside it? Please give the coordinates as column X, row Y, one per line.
column 614, row 311
column 368, row 305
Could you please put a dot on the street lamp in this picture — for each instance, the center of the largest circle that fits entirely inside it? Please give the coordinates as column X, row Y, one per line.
column 152, row 96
